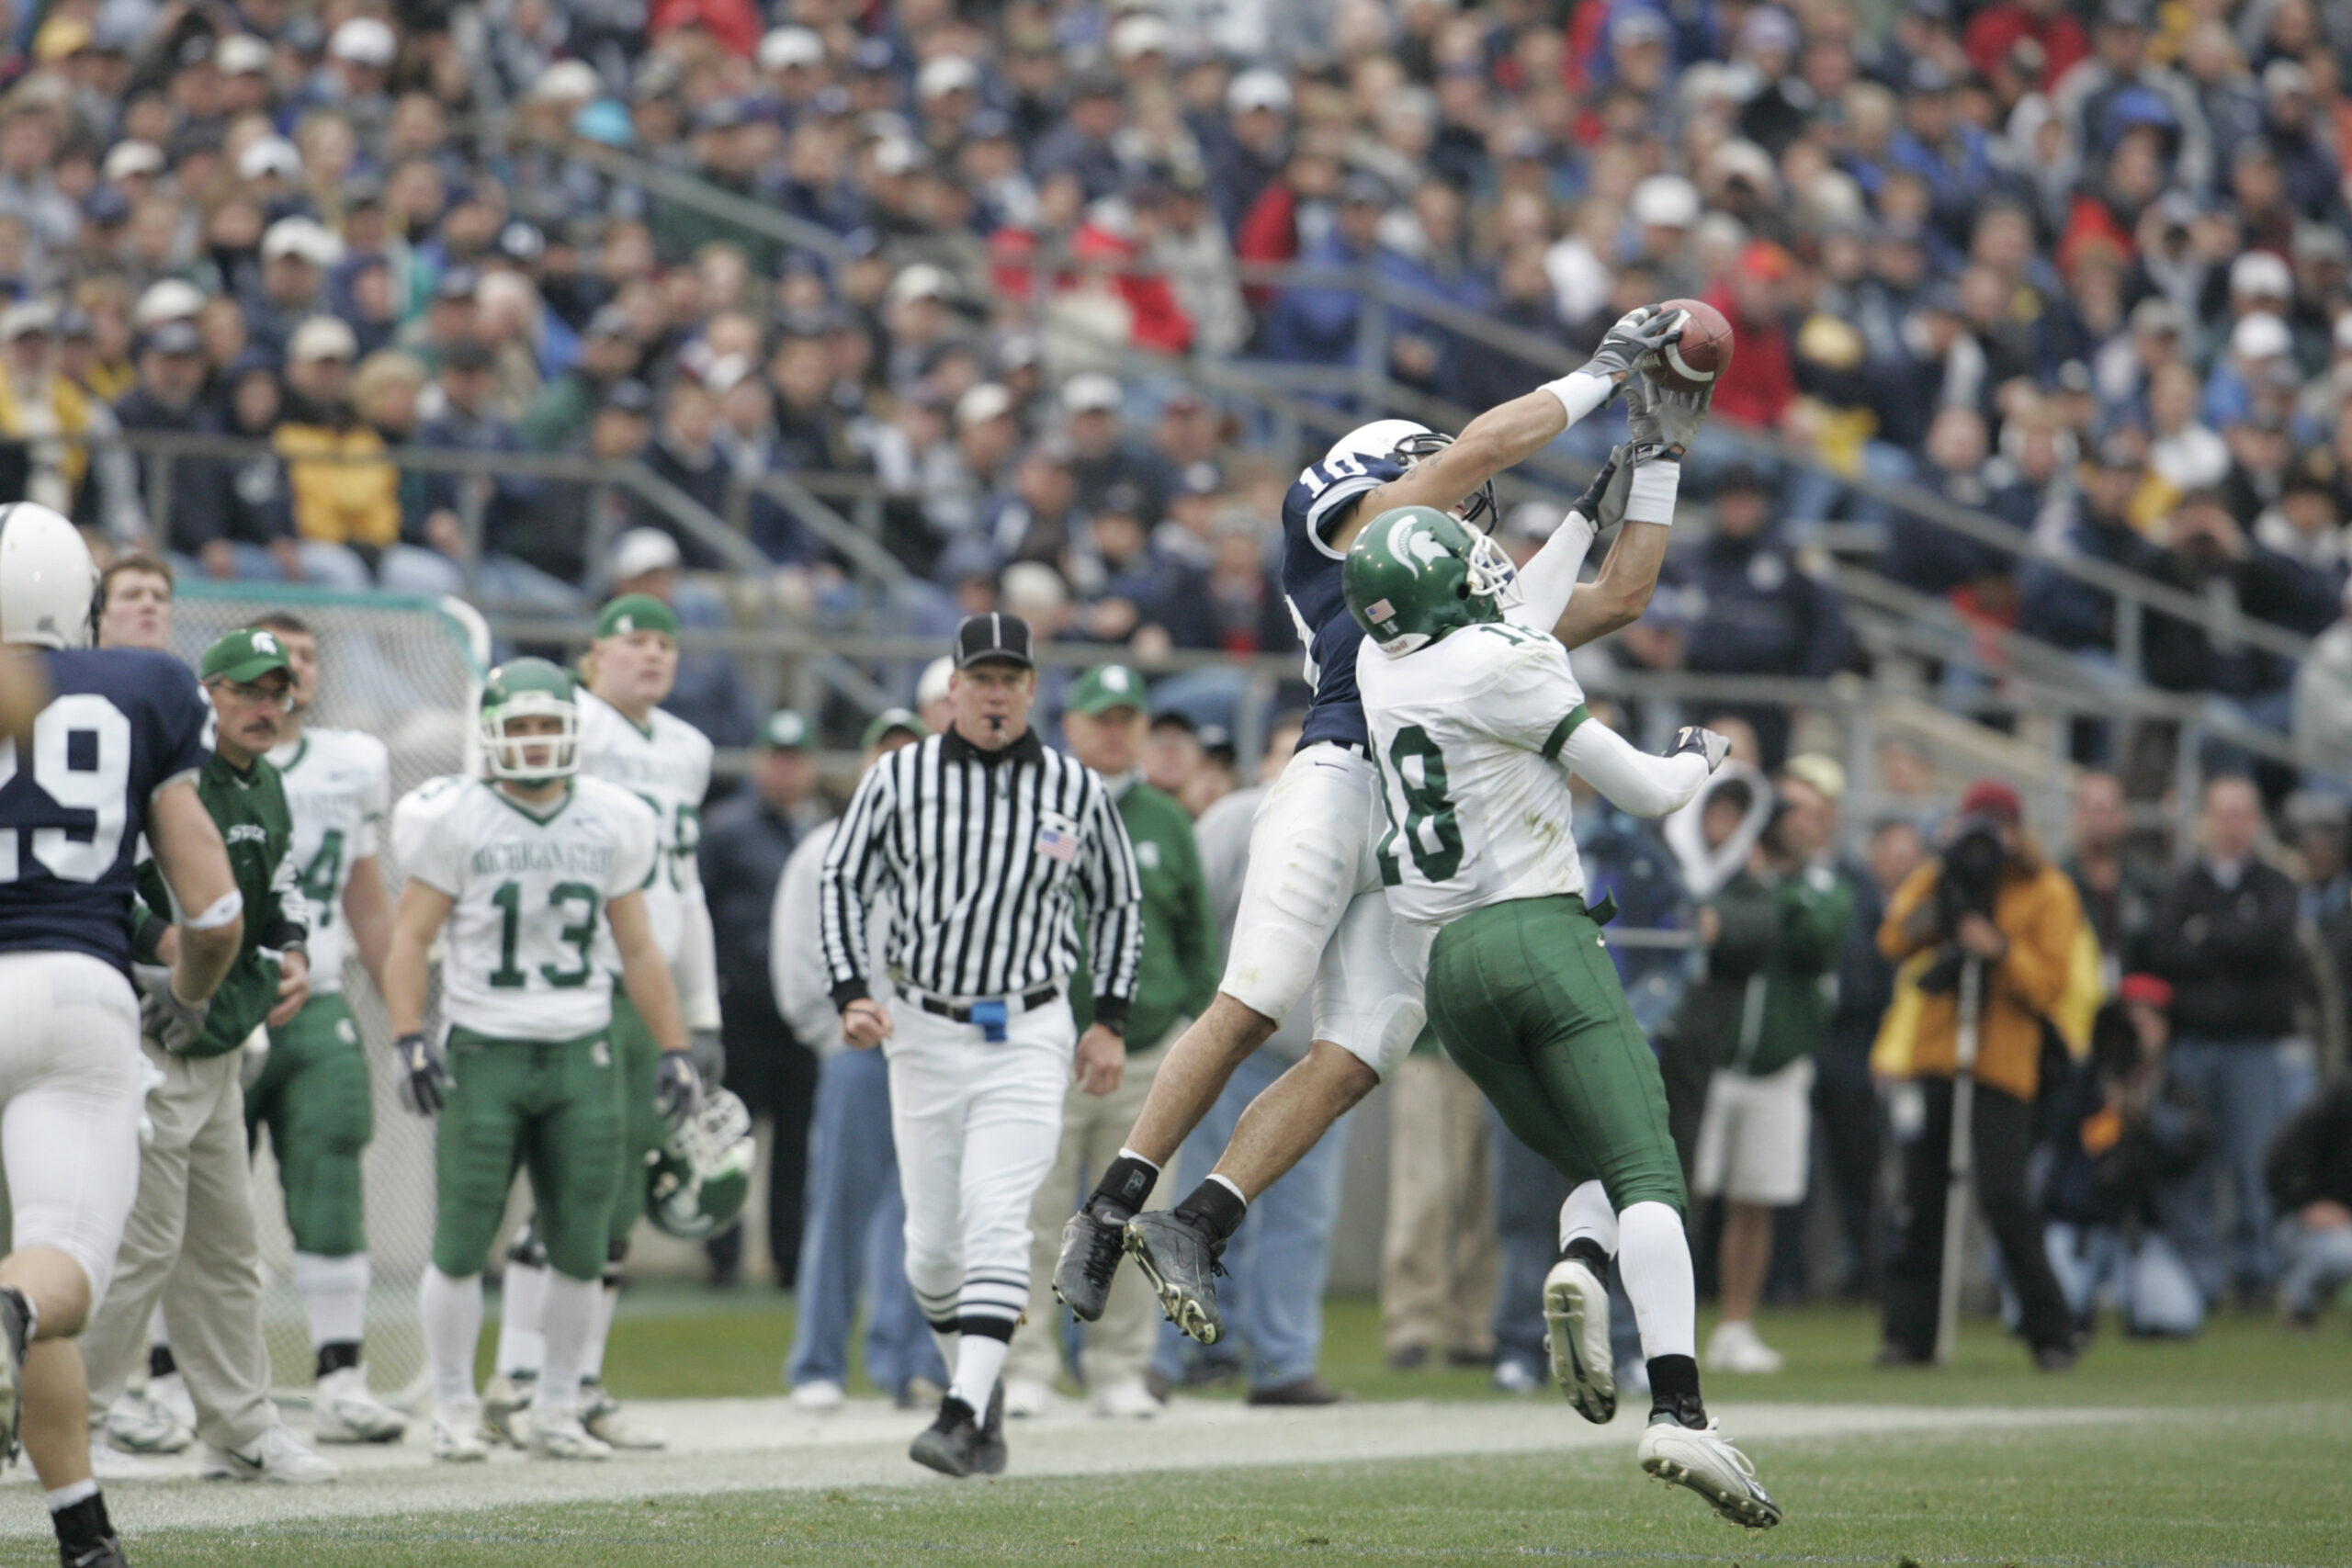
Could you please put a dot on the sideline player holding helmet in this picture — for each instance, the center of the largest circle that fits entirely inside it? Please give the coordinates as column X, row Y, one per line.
column 532, row 868
column 1476, row 723
column 1311, row 911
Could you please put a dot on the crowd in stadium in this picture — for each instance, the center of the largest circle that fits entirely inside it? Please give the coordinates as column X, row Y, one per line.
column 2082, row 267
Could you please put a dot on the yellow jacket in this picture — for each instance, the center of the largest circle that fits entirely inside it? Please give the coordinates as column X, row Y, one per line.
column 345, row 504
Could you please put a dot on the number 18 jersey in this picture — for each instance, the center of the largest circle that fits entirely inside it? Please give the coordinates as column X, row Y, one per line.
column 530, row 889
column 1466, row 733
column 339, row 787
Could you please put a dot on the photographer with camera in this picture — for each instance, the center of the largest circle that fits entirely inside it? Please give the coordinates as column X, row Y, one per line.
column 1996, row 925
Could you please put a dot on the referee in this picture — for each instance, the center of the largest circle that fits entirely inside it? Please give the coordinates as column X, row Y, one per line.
column 975, row 844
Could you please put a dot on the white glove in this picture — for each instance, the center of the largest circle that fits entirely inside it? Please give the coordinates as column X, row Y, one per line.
column 1705, row 742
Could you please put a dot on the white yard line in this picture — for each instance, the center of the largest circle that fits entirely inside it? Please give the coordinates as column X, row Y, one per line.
column 736, row 1445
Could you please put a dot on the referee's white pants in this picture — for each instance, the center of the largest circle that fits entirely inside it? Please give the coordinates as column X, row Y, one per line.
column 976, row 1126
column 191, row 1245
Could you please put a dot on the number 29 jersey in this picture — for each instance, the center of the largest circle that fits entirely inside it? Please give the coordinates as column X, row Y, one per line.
column 530, row 890
column 339, row 788
column 1466, row 732
column 120, row 724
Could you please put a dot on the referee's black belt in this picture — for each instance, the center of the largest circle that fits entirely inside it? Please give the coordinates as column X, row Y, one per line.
column 961, row 1012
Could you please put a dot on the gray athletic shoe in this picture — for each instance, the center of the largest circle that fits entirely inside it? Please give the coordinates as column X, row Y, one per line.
column 1089, row 1256
column 990, row 1457
column 1181, row 1261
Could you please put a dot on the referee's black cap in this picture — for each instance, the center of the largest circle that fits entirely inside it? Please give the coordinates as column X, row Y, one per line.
column 992, row 635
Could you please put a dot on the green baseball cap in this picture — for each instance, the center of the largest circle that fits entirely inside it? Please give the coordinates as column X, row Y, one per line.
column 245, row 655
column 787, row 731
column 635, row 612
column 1107, row 686
column 890, row 719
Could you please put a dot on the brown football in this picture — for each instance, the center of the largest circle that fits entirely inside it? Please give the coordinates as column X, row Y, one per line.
column 1693, row 362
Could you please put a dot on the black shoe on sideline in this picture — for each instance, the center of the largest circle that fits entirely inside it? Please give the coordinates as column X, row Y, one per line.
column 989, row 1459
column 1298, row 1392
column 951, row 1445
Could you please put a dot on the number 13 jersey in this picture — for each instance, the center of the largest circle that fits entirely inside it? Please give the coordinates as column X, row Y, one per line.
column 339, row 787
column 531, row 887
column 1466, row 733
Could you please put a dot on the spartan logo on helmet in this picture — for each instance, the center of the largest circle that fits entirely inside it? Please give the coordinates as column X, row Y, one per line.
column 530, row 688
column 1417, row 574
column 1408, row 442
column 702, row 1172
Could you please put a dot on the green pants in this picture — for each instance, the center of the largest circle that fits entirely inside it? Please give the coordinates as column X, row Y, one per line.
column 313, row 1097
column 642, row 1129
column 552, row 1106
column 1523, row 997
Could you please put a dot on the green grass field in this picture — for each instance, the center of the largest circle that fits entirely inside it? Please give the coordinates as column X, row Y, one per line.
column 2243, row 1457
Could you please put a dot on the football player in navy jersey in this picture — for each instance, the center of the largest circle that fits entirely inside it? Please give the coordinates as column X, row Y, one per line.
column 1312, row 909
column 113, row 753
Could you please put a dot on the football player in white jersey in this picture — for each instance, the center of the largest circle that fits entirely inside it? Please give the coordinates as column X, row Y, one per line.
column 1476, row 723
column 312, row 1092
column 1311, row 911
column 539, row 875
column 627, row 739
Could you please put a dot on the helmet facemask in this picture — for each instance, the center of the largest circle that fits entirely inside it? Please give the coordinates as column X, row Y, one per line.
column 507, row 755
column 1479, row 502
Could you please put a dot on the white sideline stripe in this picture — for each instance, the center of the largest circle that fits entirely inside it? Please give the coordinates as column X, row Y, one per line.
column 735, row 1444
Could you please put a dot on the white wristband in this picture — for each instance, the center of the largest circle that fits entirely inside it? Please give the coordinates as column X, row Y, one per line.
column 1580, row 393
column 1649, row 498
column 223, row 910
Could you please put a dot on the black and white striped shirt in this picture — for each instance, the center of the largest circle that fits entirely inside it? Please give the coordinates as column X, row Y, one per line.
column 977, row 856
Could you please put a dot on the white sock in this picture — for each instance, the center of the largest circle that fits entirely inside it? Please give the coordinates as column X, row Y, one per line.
column 567, row 1318
column 334, row 1296
column 69, row 1493
column 979, row 1361
column 1589, row 1212
column 600, row 1329
column 1655, row 1260
column 452, row 1314
column 521, row 1346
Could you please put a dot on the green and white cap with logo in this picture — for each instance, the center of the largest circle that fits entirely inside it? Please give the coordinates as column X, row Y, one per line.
column 889, row 720
column 636, row 613
column 1108, row 687
column 245, row 655
column 787, row 731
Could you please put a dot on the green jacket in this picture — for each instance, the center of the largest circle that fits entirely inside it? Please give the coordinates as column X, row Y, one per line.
column 1178, row 973
column 251, row 812
column 1764, row 1001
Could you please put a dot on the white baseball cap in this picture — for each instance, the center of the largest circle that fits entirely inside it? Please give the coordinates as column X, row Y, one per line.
column 982, row 403
column 266, row 155
column 1258, row 89
column 2260, row 336
column 1139, row 34
column 129, row 158
column 566, row 81
column 363, row 40
column 2262, row 274
column 322, row 337
column 242, row 54
column 1666, row 201
column 168, row 299
column 949, row 74
column 786, row 48
column 640, row 551
column 301, row 237
column 1092, row 392
column 920, row 281
column 933, row 686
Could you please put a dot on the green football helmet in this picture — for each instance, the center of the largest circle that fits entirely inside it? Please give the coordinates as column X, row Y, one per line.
column 702, row 1172
column 529, row 688
column 1415, row 574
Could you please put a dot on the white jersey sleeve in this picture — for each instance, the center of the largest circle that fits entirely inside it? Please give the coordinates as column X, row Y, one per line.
column 338, row 788
column 666, row 763
column 426, row 842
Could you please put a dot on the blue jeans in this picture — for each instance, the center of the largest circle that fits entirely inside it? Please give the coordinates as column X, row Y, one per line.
column 2243, row 1086
column 1276, row 1263
column 2152, row 1286
column 857, row 1224
column 2319, row 1264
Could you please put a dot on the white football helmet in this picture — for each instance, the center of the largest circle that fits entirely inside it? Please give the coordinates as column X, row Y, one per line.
column 1409, row 441
column 49, row 584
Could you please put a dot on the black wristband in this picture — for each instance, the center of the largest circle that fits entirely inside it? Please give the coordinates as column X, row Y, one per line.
column 847, row 991
column 1111, row 1014
column 285, row 936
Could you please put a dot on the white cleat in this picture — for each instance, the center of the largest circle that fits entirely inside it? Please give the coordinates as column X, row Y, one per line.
column 277, row 1455
column 1700, row 1459
column 458, row 1434
column 142, row 1423
column 110, row 1464
column 1576, row 1320
column 558, row 1433
column 344, row 1411
column 505, row 1410
column 1025, row 1397
column 1127, row 1400
column 819, row 1397
column 1734, row 1347
column 610, row 1425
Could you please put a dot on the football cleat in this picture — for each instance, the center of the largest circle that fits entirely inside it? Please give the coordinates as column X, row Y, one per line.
column 1089, row 1256
column 140, row 1423
column 106, row 1553
column 277, row 1455
column 951, row 1444
column 505, row 1408
column 1181, row 1261
column 602, row 1415
column 1575, row 1322
column 1700, row 1459
column 344, row 1411
column 457, row 1431
column 558, row 1433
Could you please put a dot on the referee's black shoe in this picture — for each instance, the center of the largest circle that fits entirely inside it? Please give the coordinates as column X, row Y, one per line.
column 1180, row 1258
column 952, row 1444
column 1090, row 1255
column 990, row 1457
